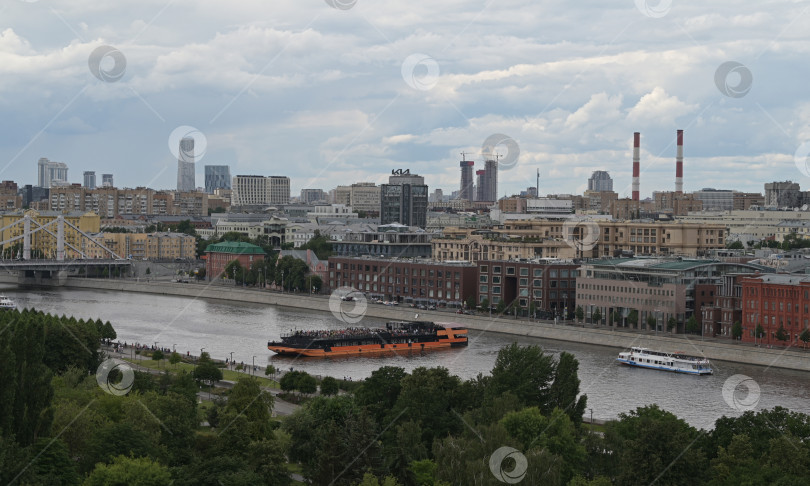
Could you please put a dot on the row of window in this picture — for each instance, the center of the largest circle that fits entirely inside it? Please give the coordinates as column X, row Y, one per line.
column 626, row 289
column 524, row 271
column 399, row 270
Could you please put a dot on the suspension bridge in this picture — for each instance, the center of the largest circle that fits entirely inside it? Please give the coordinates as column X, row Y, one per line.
column 87, row 256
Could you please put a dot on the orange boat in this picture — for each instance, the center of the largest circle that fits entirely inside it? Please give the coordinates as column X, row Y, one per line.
column 397, row 337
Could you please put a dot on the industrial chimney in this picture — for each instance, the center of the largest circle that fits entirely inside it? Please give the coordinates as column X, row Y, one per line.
column 636, row 164
column 679, row 164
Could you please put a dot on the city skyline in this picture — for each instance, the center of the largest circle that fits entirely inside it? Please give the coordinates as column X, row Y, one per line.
column 320, row 91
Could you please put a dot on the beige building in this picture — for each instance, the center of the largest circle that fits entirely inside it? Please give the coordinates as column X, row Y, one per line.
column 144, row 246
column 748, row 225
column 580, row 239
column 109, row 202
column 255, row 190
column 361, row 196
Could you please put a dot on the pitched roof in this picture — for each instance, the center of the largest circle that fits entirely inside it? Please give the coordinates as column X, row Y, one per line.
column 235, row 247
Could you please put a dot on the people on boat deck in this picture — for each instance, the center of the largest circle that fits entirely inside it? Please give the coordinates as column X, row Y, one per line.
column 357, row 332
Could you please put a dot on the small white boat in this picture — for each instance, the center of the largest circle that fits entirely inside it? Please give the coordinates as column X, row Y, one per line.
column 6, row 303
column 659, row 360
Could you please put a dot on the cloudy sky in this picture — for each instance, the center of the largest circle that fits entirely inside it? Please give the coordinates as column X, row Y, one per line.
column 339, row 91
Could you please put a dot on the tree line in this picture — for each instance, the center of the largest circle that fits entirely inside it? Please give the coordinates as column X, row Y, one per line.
column 426, row 427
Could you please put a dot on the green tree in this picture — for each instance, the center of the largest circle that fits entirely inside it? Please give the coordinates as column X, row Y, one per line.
column 652, row 445
column 736, row 330
column 148, row 271
column 307, row 383
column 579, row 313
column 692, row 325
column 320, row 244
column 107, row 332
column 234, row 270
column 781, row 334
column 174, row 358
column 525, row 371
column 501, row 307
column 652, row 322
column 140, row 471
column 616, row 318
column 329, row 386
column 735, row 245
column 596, row 317
column 469, row 303
column 247, row 399
column 805, row 336
column 206, row 370
column 671, row 323
column 760, row 331
column 632, row 318
column 564, row 389
column 380, row 391
column 157, row 355
column 484, row 307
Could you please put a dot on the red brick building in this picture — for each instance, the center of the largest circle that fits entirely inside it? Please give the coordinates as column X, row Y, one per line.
column 406, row 280
column 774, row 302
column 718, row 316
column 548, row 284
column 219, row 255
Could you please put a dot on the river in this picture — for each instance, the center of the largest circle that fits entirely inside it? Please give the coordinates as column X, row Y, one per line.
column 225, row 327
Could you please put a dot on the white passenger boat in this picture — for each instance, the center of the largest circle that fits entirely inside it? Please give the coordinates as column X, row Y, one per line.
column 6, row 303
column 659, row 360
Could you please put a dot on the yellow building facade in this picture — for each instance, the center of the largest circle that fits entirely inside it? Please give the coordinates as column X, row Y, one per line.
column 43, row 244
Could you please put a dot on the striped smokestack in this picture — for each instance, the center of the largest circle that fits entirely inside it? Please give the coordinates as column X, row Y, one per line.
column 636, row 164
column 679, row 164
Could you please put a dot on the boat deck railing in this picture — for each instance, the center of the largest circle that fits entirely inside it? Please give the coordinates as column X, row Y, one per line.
column 382, row 335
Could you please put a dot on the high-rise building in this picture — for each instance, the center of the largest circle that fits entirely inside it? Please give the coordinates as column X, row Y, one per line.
column 217, row 177
column 51, row 173
column 715, row 199
column 466, row 189
column 89, row 179
column 488, row 182
column 404, row 200
column 600, row 181
column 185, row 166
column 309, row 196
column 361, row 196
column 255, row 190
column 782, row 194
column 479, row 185
column 107, row 180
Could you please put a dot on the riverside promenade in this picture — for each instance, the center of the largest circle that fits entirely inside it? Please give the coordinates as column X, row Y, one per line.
column 712, row 348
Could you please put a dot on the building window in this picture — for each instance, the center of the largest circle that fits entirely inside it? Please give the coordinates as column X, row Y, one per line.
column 524, row 272
column 482, row 279
column 538, row 293
column 496, row 280
column 538, row 272
column 496, row 290
column 537, row 282
column 484, row 268
column 523, row 282
column 510, row 270
column 483, row 289
column 496, row 269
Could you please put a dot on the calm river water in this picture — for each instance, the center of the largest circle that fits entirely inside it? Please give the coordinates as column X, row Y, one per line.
column 222, row 327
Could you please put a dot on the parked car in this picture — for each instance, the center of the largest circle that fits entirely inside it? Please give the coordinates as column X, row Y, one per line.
column 347, row 298
column 431, row 307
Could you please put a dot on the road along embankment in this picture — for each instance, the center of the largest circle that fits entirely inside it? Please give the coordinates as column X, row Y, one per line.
column 795, row 359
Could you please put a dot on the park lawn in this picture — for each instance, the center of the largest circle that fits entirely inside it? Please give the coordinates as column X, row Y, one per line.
column 229, row 375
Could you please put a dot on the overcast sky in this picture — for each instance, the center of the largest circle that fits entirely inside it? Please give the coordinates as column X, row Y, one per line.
column 334, row 92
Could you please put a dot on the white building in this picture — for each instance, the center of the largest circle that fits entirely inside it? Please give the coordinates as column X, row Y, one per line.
column 254, row 190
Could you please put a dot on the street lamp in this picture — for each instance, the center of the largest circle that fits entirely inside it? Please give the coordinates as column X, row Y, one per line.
column 174, row 348
column 231, row 367
column 282, row 281
column 253, row 370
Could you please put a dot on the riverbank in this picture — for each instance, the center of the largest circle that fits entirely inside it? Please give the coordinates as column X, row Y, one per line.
column 711, row 348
